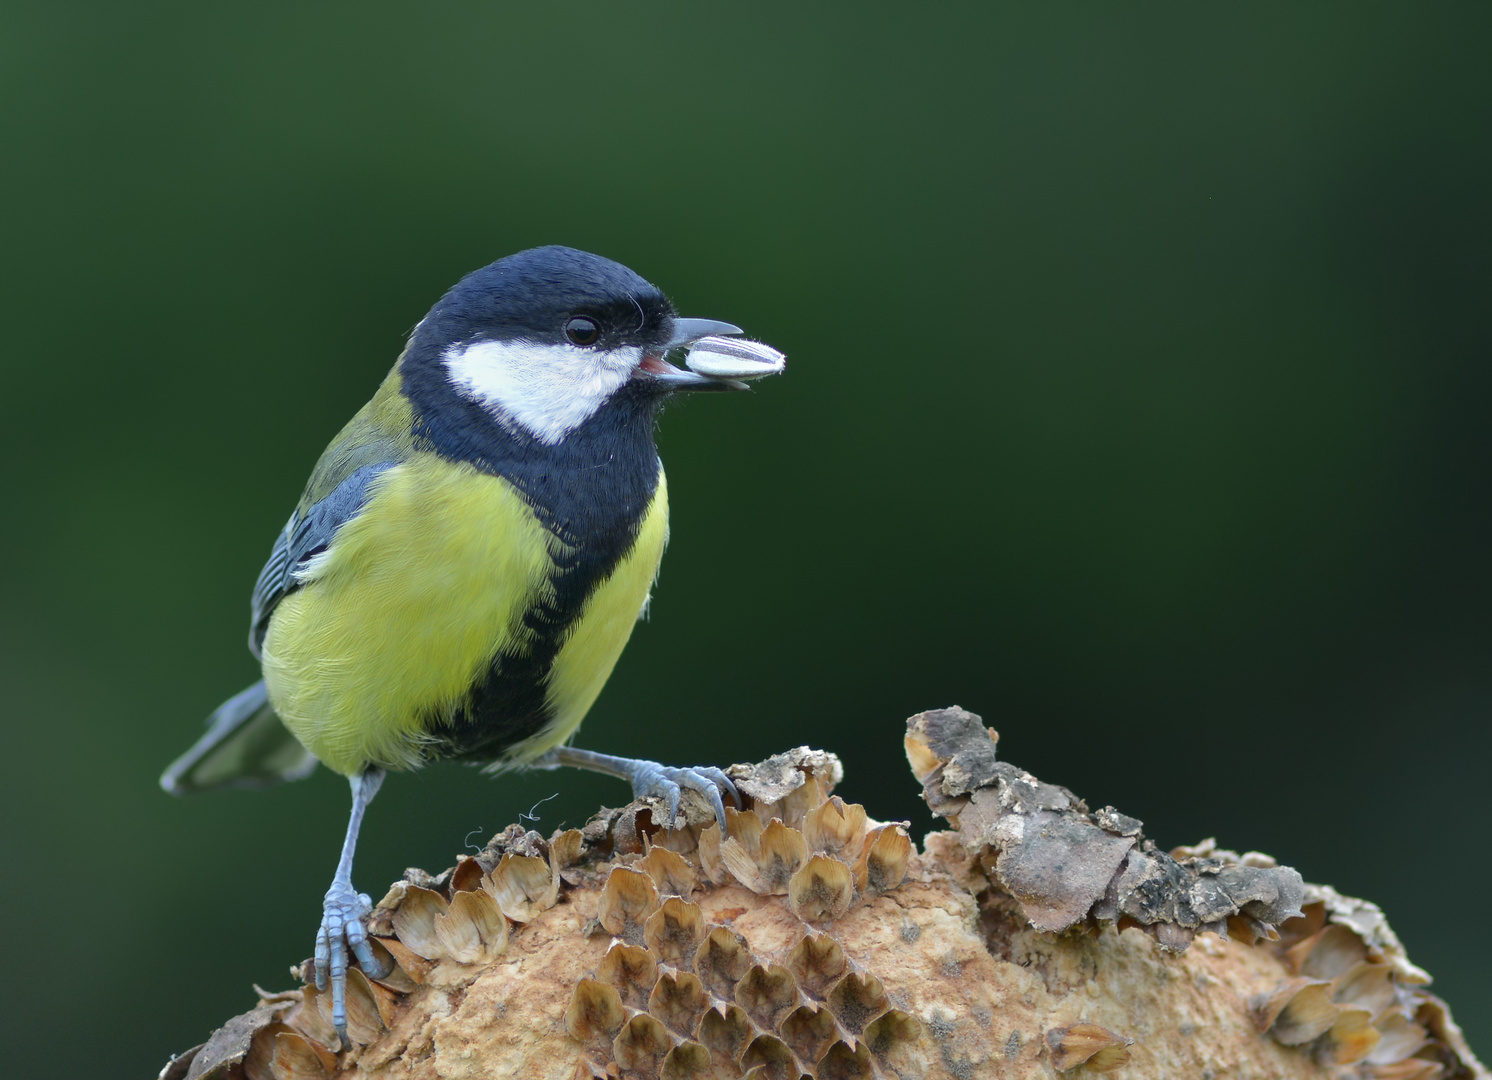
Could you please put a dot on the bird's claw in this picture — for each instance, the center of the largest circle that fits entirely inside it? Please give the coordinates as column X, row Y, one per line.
column 665, row 782
column 342, row 913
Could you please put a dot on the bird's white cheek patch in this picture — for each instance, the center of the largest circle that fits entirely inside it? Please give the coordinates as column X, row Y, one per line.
column 548, row 390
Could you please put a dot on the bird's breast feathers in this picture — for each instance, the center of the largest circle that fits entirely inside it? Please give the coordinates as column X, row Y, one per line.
column 417, row 598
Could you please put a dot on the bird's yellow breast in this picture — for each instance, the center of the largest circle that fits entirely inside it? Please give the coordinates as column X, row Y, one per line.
column 418, row 593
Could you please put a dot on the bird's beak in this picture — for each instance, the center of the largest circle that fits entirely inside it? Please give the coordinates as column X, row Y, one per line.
column 686, row 332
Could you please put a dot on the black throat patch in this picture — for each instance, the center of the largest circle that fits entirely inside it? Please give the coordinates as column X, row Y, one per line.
column 590, row 491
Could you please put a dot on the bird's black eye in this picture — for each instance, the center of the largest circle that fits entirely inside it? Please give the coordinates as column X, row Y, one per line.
column 583, row 331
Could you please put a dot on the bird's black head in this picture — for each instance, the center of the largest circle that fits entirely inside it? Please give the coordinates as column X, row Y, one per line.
column 543, row 339
column 552, row 296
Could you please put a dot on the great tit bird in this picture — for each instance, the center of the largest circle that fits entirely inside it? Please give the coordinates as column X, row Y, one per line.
column 470, row 555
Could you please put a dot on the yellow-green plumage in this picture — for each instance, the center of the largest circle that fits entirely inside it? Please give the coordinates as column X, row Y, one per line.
column 408, row 608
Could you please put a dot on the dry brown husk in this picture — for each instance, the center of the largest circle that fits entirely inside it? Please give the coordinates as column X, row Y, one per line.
column 1034, row 939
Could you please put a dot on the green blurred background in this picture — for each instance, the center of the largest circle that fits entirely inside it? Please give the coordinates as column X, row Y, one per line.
column 1137, row 400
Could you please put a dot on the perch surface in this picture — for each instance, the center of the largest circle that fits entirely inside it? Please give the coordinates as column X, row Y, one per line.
column 1035, row 938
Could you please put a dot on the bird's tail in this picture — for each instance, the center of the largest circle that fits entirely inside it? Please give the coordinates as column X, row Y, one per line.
column 245, row 745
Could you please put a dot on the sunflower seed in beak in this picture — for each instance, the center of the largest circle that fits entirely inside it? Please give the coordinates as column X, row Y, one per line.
column 734, row 358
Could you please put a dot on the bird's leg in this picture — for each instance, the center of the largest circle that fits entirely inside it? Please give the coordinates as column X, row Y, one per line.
column 343, row 911
column 650, row 778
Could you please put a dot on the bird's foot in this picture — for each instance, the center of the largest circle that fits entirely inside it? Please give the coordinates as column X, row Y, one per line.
column 342, row 913
column 649, row 778
column 667, row 783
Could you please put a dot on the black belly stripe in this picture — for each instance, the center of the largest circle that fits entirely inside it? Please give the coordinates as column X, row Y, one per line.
column 591, row 491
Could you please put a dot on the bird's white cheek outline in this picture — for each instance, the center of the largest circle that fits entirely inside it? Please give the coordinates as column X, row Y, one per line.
column 547, row 390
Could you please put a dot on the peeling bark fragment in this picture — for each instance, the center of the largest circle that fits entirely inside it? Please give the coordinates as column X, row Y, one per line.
column 1059, row 868
column 1119, row 824
column 514, row 840
column 1271, row 895
column 962, row 744
column 1063, row 865
column 781, row 774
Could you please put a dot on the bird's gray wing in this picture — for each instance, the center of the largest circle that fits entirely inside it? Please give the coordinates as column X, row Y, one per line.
column 245, row 744
column 308, row 533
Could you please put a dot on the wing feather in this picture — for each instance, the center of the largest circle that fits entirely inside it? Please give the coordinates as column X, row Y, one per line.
column 307, row 534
